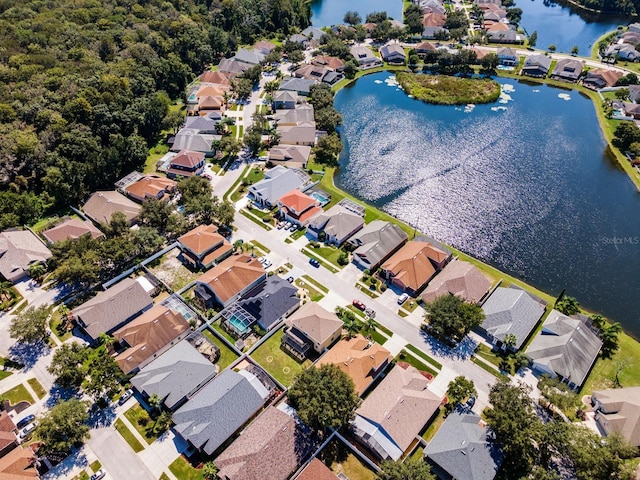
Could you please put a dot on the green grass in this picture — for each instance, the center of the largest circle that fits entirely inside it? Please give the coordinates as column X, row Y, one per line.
column 56, row 327
column 18, row 394
column 377, row 337
column 486, row 353
column 128, row 436
column 603, row 374
column 8, row 363
column 366, row 290
column 276, row 361
column 37, row 387
column 315, row 283
column 311, row 254
column 184, row 471
column 346, row 462
column 434, row 426
column 314, row 295
column 95, row 466
column 4, row 374
column 330, row 254
column 493, row 371
column 424, row 356
column 260, row 246
column 142, row 422
column 405, row 356
column 255, row 220
column 227, row 356
column 298, row 233
column 449, row 90
column 236, row 183
column 164, row 476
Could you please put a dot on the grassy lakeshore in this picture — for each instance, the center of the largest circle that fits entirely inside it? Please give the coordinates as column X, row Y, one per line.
column 449, row 90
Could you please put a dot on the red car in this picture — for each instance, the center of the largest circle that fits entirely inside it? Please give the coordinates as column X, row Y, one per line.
column 358, row 304
column 207, row 176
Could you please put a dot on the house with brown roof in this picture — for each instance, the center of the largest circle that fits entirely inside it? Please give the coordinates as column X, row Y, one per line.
column 19, row 249
column 71, row 229
column 274, row 434
column 293, row 156
column 425, row 47
column 316, row 470
column 302, row 134
column 432, row 24
column 19, row 464
column 302, row 113
column 230, row 278
column 414, row 265
column 264, row 47
column 8, row 438
column 618, row 411
column 311, row 72
column 458, row 278
column 311, row 329
column 148, row 336
column 215, row 78
column 102, row 205
column 601, row 77
column 332, row 63
column 151, row 186
column 361, row 359
column 297, row 207
column 203, row 247
column 186, row 164
column 392, row 416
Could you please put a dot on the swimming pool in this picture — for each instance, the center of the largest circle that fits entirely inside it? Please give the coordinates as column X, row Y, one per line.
column 239, row 324
column 321, row 198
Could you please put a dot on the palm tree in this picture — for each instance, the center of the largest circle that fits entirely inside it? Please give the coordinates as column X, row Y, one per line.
column 369, row 326
column 5, row 290
column 509, row 341
column 351, row 326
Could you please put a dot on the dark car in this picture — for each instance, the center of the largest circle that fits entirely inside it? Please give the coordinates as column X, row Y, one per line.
column 290, row 279
column 314, row 262
column 471, row 402
column 25, row 421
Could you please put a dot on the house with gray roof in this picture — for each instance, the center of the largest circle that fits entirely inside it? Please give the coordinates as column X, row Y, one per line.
column 204, row 125
column 508, row 56
column 295, row 116
column 250, row 56
column 536, row 65
column 19, row 249
column 285, row 100
column 276, row 182
column 511, row 311
column 232, row 67
column 337, row 224
column 565, row 348
column 194, row 141
column 376, row 242
column 220, row 409
column 623, row 51
column 299, row 85
column 463, row 448
column 393, row 53
column 303, row 134
column 365, row 57
column 504, row 36
column 568, row 70
column 314, row 34
column 176, row 375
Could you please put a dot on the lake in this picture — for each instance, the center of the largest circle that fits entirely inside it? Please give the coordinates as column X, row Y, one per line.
column 331, row 12
column 524, row 184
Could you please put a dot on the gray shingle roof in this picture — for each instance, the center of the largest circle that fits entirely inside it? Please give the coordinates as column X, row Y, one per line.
column 278, row 181
column 18, row 250
column 252, row 57
column 337, row 222
column 537, row 61
column 201, row 124
column 299, row 85
column 190, row 139
column 376, row 241
column 270, row 300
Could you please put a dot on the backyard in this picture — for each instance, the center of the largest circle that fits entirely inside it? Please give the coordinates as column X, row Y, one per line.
column 227, row 356
column 276, row 361
column 625, row 364
column 171, row 271
column 342, row 460
column 183, row 470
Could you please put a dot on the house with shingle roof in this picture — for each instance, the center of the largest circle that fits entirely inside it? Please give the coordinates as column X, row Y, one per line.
column 8, row 430
column 186, row 164
column 301, row 134
column 264, row 47
column 19, row 249
column 297, row 207
column 459, row 278
column 394, row 413
column 568, row 70
column 188, row 140
column 623, row 51
column 285, row 99
column 311, row 328
column 102, row 205
column 300, row 86
column 203, row 246
column 536, row 65
column 376, row 242
column 508, row 56
column 294, row 156
column 311, row 72
column 19, row 464
column 276, row 182
column 332, row 63
column 337, row 224
column 215, row 78
column 601, row 77
column 206, row 124
column 71, row 229
column 294, row 116
column 250, row 56
column 365, row 57
column 232, row 67
column 393, row 53
column 424, row 48
column 618, row 411
column 565, row 347
column 151, row 186
column 316, row 470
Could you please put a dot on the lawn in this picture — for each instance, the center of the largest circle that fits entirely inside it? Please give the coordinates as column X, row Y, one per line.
column 311, row 253
column 18, row 394
column 314, row 295
column 276, row 361
column 416, row 351
column 260, row 246
column 297, row 234
column 255, row 219
column 95, row 466
column 627, row 359
column 184, row 471
column 347, row 463
column 434, row 425
column 37, row 387
column 164, row 476
column 449, row 90
column 493, row 371
column 486, row 353
column 4, row 374
column 315, row 283
column 128, row 436
column 405, row 356
column 330, row 254
column 227, row 356
column 57, row 327
column 143, row 423
column 236, row 183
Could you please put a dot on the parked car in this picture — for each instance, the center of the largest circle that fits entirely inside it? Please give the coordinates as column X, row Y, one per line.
column 471, row 402
column 262, row 260
column 403, row 298
column 280, row 225
column 370, row 313
column 26, row 431
column 207, row 176
column 358, row 304
column 267, row 263
column 290, row 279
column 25, row 421
column 314, row 262
column 293, row 228
column 98, row 475
column 125, row 396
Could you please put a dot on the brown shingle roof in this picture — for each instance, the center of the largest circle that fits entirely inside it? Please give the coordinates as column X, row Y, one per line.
column 102, row 205
column 412, row 264
column 264, row 46
column 620, row 412
column 459, row 278
column 333, row 63
column 316, row 470
column 215, row 78
column 434, row 20
column 150, row 186
column 187, row 159
column 18, row 250
column 202, row 239
column 315, row 322
column 6, row 423
column 18, row 465
column 233, row 275
column 71, row 229
column 610, row 77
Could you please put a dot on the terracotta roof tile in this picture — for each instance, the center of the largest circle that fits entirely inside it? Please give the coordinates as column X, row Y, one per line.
column 150, row 186
column 202, row 239
column 316, row 470
column 413, row 264
column 233, row 275
column 71, row 229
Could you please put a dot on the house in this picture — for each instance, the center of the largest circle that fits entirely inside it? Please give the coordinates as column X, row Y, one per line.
column 151, row 186
column 634, row 93
column 206, row 124
column 230, row 278
column 316, row 470
column 19, row 464
column 300, row 86
column 208, row 104
column 313, row 34
column 311, row 72
column 294, row 156
column 618, row 411
column 634, row 27
column 600, row 78
column 186, row 164
column 365, row 57
column 411, row 267
column 304, row 134
column 298, row 38
column 297, row 115
column 434, row 25
column 499, row 35
column 394, row 413
column 424, row 48
column 536, row 65
column 19, row 249
column 114, row 307
column 276, row 182
column 622, row 51
column 193, row 141
column 215, row 78
column 274, row 433
column 71, row 229
column 631, row 109
column 232, row 67
column 8, row 430
column 458, row 278
column 102, row 205
column 331, row 63
column 361, row 359
column 311, row 328
column 266, row 305
column 511, row 311
column 203, row 246
column 297, row 207
column 463, row 448
column 376, row 242
column 221, row 408
column 336, row 225
column 175, row 376
column 431, row 6
column 285, row 99
column 568, row 70
column 264, row 47
column 250, row 56
column 565, row 348
column 148, row 336
column 508, row 56
column 393, row 53
column 332, row 77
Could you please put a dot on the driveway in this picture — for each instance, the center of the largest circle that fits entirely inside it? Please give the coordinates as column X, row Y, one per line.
column 116, row 455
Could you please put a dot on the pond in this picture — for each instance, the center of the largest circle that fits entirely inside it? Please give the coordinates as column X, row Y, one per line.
column 331, row 12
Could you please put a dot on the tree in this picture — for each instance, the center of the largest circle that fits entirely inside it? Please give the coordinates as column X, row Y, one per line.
column 350, row 68
column 351, row 326
column 155, row 213
column 320, row 96
column 225, row 213
column 510, row 341
column 103, row 376
column 551, row 48
column 210, row 471
column 63, row 427
column 328, row 119
column 597, row 458
column 30, row 325
column 242, row 87
column 67, row 365
column 628, row 79
column 610, row 342
column 410, row 469
column 413, row 19
column 490, row 62
column 324, row 397
column 369, row 326
column 568, row 305
column 514, row 15
column 449, row 317
column 459, row 390
column 327, row 149
column 253, row 139
column 296, row 56
column 574, row 50
column 147, row 241
column 229, row 146
column 376, row 17
column 533, row 39
column 352, row 18
column 118, row 225
column 626, row 134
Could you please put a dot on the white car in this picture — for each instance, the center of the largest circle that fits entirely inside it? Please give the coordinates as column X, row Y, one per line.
column 262, row 260
column 98, row 475
column 267, row 264
column 403, row 298
column 26, row 431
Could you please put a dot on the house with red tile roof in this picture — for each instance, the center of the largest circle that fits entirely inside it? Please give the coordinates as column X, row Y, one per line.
column 151, row 186
column 297, row 207
column 8, row 429
column 186, row 164
column 203, row 246
column 316, row 470
column 19, row 464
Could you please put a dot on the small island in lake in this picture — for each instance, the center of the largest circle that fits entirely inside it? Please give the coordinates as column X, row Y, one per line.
column 447, row 90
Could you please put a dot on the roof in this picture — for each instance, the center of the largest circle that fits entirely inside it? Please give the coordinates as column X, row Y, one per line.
column 200, row 124
column 360, row 52
column 619, row 412
column 425, row 46
column 202, row 239
column 270, row 301
column 296, row 154
column 376, row 241
column 275, row 436
column 313, row 33
column 464, row 448
column 264, row 46
column 413, row 263
column 297, row 134
column 610, row 77
column 315, row 322
column 232, row 66
column 285, row 96
column 459, row 278
column 333, row 63
column 434, row 20
column 18, row 464
column 215, row 77
column 150, row 186
column 102, row 205
column 337, row 222
column 71, row 229
column 148, row 334
column 316, row 470
column 568, row 68
column 231, row 276
column 566, row 346
column 536, row 61
column 297, row 201
column 174, row 374
column 7, row 431
column 18, row 250
column 6, row 422
column 311, row 72
column 358, row 358
column 187, row 159
column 392, row 49
column 507, row 52
column 293, row 116
column 250, row 56
column 300, row 85
column 399, row 407
column 277, row 181
column 189, row 139
column 511, row 311
column 108, row 309
column 217, row 411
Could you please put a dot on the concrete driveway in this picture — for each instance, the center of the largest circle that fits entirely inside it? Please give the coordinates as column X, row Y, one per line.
column 116, row 455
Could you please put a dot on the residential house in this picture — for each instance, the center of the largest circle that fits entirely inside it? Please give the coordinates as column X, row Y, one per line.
column 114, row 307
column 276, row 182
column 425, row 47
column 536, row 65
column 285, row 99
column 634, row 93
column 299, row 85
column 186, row 164
column 411, row 267
column 220, row 409
column 332, row 78
column 314, row 35
column 265, row 305
column 215, row 78
column 151, row 186
column 464, row 449
column 434, row 25
column 19, row 249
column 511, row 311
column 264, row 47
column 508, row 57
column 316, row 470
column 311, row 72
column 330, row 63
column 250, row 56
column 361, row 359
column 71, row 229
column 148, row 336
column 102, row 205
column 311, row 329
column 274, row 433
column 336, row 225
column 297, row 115
column 622, row 51
column 568, row 70
column 294, row 156
column 631, row 109
column 618, row 411
column 192, row 140
column 304, row 134
column 298, row 38
column 19, row 464
column 365, row 57
column 500, row 35
column 376, row 242
column 458, row 278
column 297, row 207
column 203, row 246
column 229, row 279
column 566, row 347
column 634, row 27
column 431, row 6
column 175, row 376
column 393, row 53
column 601, row 78
column 631, row 38
column 8, row 430
column 232, row 67
column 394, row 413
column 205, row 125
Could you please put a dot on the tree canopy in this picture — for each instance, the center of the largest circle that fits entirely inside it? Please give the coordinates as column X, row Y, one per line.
column 449, row 317
column 459, row 390
column 63, row 427
column 410, row 469
column 30, row 325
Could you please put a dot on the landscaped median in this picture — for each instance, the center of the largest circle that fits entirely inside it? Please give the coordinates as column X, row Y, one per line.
column 128, row 436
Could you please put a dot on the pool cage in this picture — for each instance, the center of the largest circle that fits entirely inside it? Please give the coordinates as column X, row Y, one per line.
column 237, row 321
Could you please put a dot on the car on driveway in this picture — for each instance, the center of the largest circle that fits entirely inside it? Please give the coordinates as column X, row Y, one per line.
column 125, row 396
column 28, row 430
column 293, row 228
column 290, row 279
column 314, row 262
column 98, row 475
column 25, row 421
column 403, row 298
column 267, row 263
column 358, row 304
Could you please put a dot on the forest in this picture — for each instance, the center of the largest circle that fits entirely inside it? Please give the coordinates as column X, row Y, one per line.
column 626, row 7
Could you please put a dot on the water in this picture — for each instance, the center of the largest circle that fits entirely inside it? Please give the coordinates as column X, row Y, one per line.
column 526, row 185
column 331, row 12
